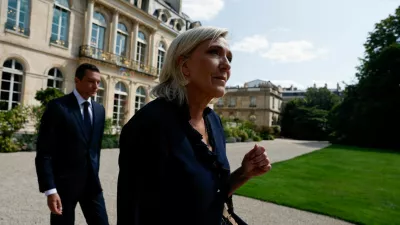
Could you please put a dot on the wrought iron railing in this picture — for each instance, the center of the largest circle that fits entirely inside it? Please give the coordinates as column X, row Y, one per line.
column 10, row 25
column 59, row 42
column 122, row 61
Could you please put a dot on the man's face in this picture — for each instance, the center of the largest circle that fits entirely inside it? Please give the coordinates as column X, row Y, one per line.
column 88, row 86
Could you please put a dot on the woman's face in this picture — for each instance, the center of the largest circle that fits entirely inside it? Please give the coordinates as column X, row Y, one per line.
column 208, row 68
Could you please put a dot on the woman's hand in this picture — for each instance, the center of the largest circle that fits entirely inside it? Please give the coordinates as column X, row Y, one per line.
column 255, row 162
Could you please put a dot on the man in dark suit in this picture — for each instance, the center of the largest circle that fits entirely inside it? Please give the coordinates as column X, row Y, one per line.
column 68, row 152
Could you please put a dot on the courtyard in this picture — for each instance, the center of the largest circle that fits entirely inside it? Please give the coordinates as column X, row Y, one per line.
column 22, row 203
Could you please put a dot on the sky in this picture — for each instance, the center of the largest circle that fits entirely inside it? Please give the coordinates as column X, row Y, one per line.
column 293, row 42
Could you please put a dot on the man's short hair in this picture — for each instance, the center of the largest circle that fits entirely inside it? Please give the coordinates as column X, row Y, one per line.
column 81, row 70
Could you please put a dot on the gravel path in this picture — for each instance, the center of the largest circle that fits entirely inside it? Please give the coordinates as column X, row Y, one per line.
column 21, row 202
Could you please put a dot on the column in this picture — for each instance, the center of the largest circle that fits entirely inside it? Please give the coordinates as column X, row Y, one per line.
column 148, row 91
column 131, row 99
column 151, row 48
column 114, row 32
column 89, row 21
column 139, row 4
column 110, row 97
column 134, row 34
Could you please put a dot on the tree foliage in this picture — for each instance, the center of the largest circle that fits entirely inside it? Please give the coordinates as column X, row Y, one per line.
column 369, row 113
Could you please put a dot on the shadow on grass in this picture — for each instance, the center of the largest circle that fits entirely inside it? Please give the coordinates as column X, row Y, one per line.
column 362, row 149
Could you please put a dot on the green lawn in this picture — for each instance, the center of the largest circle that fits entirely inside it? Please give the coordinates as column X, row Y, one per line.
column 359, row 185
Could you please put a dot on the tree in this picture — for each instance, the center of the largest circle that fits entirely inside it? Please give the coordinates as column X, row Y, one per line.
column 370, row 109
column 45, row 96
column 321, row 98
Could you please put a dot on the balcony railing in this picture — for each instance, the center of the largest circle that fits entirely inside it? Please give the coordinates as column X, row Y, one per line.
column 118, row 60
column 10, row 25
column 59, row 42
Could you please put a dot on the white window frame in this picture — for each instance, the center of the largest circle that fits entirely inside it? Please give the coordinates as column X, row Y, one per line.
column 139, row 97
column 126, row 35
column 96, row 97
column 119, row 93
column 55, row 78
column 141, row 46
column 160, row 57
column 100, row 24
column 56, row 4
column 11, row 91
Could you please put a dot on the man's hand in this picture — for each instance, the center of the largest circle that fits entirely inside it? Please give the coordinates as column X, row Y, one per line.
column 54, row 203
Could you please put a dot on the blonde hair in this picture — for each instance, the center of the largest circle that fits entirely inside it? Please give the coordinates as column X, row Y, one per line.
column 172, row 82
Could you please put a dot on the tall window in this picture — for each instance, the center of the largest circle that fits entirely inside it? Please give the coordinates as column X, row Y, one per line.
column 99, row 97
column 120, row 97
column 141, row 48
column 220, row 102
column 161, row 56
column 122, row 36
column 55, row 79
column 140, row 99
column 11, row 84
column 98, row 31
column 18, row 16
column 253, row 101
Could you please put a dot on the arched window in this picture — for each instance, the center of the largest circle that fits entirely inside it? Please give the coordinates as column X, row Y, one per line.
column 120, row 97
column 141, row 48
column 161, row 56
column 11, row 84
column 140, row 99
column 99, row 27
column 99, row 97
column 122, row 36
column 55, row 79
column 18, row 15
column 59, row 29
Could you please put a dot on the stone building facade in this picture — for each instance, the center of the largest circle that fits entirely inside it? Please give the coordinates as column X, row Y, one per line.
column 256, row 101
column 42, row 42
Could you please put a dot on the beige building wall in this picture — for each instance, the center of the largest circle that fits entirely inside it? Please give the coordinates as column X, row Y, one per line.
column 37, row 54
column 261, row 105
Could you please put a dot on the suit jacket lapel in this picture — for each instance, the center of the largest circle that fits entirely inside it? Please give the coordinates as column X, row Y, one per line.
column 76, row 110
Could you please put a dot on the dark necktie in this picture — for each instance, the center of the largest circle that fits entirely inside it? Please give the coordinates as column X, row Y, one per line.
column 86, row 120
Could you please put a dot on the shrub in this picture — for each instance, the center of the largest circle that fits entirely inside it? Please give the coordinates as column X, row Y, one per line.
column 10, row 122
column 276, row 129
column 110, row 141
column 243, row 135
column 231, row 140
column 257, row 138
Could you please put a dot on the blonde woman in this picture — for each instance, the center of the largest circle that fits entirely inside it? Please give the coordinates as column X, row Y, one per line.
column 173, row 164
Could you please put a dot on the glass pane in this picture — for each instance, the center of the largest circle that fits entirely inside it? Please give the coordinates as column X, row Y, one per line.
column 64, row 3
column 3, row 105
column 18, row 66
column 5, row 85
column 6, row 76
column 58, row 84
column 122, row 27
column 14, row 104
column 59, row 74
column 17, row 87
column 4, row 95
column 100, row 18
column 50, row 83
column 8, row 64
column 101, row 38
column 17, row 78
column 12, row 10
column 16, row 97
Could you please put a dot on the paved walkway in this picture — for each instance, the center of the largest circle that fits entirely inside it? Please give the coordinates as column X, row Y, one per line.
column 21, row 202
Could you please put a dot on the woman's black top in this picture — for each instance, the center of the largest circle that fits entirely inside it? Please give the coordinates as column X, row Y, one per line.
column 167, row 174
